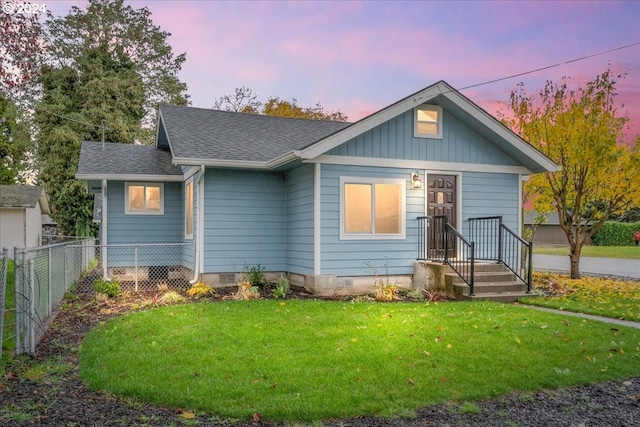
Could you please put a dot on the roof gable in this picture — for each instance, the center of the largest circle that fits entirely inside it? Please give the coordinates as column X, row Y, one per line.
column 451, row 100
column 23, row 196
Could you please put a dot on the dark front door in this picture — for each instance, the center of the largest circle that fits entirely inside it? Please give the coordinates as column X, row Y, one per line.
column 441, row 200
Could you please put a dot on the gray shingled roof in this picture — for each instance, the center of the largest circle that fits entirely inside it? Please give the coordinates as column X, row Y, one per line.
column 19, row 196
column 124, row 159
column 198, row 133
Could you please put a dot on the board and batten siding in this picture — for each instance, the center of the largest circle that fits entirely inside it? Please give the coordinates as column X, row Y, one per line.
column 300, row 208
column 245, row 224
column 394, row 139
column 366, row 257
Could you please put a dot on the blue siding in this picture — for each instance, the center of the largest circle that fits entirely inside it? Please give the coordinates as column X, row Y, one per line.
column 166, row 228
column 146, row 229
column 361, row 257
column 490, row 194
column 394, row 140
column 299, row 185
column 245, row 222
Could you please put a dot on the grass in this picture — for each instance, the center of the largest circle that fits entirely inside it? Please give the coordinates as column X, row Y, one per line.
column 234, row 359
column 617, row 299
column 627, row 252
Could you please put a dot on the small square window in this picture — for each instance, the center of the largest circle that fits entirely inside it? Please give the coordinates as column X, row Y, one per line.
column 428, row 121
column 143, row 198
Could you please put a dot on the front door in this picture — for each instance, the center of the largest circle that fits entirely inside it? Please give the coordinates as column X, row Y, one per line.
column 441, row 200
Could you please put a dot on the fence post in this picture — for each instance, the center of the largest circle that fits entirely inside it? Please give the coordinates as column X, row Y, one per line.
column 4, row 265
column 49, row 280
column 135, row 257
column 32, row 310
column 530, row 268
column 499, row 240
column 18, row 265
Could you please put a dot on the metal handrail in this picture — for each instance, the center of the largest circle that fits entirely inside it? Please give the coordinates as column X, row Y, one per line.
column 517, row 255
column 464, row 262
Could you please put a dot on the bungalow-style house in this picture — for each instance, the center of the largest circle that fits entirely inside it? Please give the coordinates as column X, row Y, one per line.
column 22, row 210
column 331, row 205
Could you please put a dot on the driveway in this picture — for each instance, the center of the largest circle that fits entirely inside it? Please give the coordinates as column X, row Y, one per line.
column 627, row 268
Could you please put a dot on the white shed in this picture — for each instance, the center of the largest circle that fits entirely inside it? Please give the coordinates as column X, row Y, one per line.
column 21, row 210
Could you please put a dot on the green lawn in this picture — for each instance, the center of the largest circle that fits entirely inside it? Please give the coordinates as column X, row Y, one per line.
column 629, row 252
column 310, row 360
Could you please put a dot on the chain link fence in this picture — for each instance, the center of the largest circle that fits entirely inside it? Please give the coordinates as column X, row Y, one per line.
column 142, row 267
column 44, row 274
column 4, row 309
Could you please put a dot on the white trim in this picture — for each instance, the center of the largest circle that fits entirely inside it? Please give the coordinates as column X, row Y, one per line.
column 159, row 185
column 118, row 177
column 188, row 236
column 317, row 213
column 503, row 132
column 284, row 159
column 104, row 227
column 402, row 183
column 427, row 107
column 243, row 164
column 190, row 171
column 419, row 164
column 520, row 179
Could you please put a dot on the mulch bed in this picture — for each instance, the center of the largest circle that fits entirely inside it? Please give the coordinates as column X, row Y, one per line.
column 61, row 399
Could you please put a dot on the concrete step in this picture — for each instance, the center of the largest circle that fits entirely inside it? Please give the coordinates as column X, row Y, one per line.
column 506, row 297
column 490, row 287
column 484, row 276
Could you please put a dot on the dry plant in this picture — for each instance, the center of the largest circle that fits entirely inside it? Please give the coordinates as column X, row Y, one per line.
column 246, row 291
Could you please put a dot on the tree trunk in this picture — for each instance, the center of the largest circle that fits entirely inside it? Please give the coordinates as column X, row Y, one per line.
column 575, row 261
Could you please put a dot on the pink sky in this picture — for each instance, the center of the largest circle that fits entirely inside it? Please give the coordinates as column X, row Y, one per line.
column 359, row 57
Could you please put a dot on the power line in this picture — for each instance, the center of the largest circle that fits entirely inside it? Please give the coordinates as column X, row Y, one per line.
column 68, row 118
column 582, row 58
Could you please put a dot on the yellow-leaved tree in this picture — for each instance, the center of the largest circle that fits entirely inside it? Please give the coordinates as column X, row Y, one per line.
column 582, row 131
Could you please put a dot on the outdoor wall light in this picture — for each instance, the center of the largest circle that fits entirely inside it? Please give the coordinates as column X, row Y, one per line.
column 416, row 182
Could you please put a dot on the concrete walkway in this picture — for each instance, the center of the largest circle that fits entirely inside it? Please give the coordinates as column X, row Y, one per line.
column 616, row 322
column 625, row 268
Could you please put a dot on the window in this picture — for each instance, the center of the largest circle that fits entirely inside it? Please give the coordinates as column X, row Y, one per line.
column 188, row 210
column 372, row 208
column 428, row 121
column 143, row 199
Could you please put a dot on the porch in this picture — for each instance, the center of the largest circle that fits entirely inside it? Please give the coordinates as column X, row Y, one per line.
column 491, row 262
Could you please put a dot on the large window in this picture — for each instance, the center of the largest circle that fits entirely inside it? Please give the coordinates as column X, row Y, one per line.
column 428, row 121
column 372, row 208
column 143, row 198
column 188, row 210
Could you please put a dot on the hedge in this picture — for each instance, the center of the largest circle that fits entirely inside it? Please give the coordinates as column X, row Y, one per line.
column 616, row 234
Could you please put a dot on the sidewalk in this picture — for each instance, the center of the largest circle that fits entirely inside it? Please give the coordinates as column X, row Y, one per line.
column 609, row 320
column 624, row 268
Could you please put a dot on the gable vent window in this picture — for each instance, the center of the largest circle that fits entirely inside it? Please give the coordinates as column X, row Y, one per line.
column 428, row 121
column 143, row 198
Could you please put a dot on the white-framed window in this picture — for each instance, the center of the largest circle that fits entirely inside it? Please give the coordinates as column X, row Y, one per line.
column 427, row 121
column 188, row 209
column 372, row 208
column 143, row 198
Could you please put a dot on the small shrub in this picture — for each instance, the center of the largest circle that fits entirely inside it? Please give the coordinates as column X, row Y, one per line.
column 246, row 291
column 282, row 288
column 163, row 287
column 433, row 296
column 415, row 295
column 200, row 289
column 255, row 275
column 110, row 288
column 172, row 297
column 386, row 292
